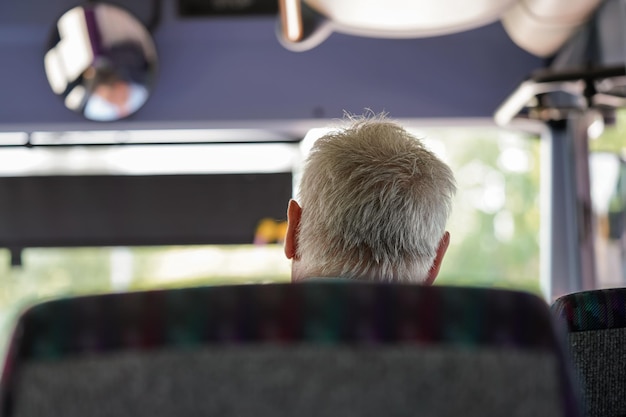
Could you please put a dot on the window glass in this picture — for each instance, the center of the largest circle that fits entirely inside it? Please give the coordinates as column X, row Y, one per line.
column 607, row 167
column 494, row 229
column 494, row 224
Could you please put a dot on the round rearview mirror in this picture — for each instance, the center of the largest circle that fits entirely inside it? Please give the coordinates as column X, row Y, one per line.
column 101, row 61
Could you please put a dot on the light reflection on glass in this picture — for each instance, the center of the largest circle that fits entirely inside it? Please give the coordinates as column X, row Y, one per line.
column 149, row 160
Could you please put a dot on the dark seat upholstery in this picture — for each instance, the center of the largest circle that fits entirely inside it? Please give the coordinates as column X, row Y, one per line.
column 315, row 349
column 596, row 326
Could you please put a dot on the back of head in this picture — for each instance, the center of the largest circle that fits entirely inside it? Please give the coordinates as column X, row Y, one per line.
column 374, row 203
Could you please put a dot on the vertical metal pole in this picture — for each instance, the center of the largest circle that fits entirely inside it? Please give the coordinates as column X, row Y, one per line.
column 567, row 246
column 558, row 247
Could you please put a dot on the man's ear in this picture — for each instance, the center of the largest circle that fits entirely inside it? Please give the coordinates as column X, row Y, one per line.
column 294, row 212
column 441, row 251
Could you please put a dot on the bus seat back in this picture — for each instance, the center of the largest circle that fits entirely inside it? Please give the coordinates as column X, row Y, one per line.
column 277, row 350
column 596, row 331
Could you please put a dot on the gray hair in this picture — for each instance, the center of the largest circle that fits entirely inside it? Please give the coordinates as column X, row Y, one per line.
column 374, row 203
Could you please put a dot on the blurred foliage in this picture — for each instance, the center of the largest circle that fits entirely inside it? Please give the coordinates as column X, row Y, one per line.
column 613, row 139
column 484, row 257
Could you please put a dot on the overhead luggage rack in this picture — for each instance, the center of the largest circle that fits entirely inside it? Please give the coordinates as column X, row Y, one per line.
column 553, row 95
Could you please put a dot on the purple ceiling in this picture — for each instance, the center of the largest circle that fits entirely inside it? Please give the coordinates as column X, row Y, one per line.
column 234, row 69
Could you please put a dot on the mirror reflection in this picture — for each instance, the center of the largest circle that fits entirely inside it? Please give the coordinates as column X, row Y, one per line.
column 102, row 61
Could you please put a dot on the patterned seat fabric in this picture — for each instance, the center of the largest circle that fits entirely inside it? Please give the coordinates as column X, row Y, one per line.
column 596, row 325
column 592, row 310
column 378, row 318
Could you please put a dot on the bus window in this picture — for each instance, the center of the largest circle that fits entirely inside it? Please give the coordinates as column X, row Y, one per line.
column 608, row 193
column 495, row 219
column 494, row 227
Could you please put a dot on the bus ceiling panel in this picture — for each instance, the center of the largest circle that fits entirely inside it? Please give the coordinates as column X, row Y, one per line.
column 601, row 43
column 611, row 27
column 250, row 76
